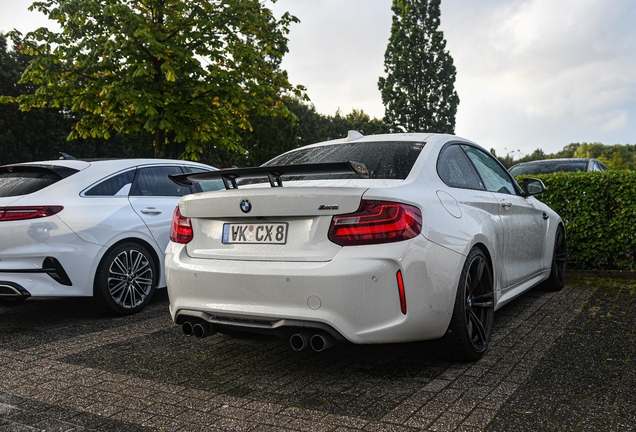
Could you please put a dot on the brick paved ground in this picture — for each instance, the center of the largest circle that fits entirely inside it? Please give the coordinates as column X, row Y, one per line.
column 558, row 361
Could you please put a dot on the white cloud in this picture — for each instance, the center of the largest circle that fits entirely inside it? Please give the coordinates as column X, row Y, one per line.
column 540, row 73
column 615, row 122
column 15, row 14
column 337, row 51
column 530, row 73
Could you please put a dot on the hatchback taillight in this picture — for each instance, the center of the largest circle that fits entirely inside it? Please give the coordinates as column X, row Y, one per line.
column 30, row 212
column 376, row 222
column 181, row 228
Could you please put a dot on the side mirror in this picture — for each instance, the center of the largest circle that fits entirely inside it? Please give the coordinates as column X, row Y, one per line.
column 533, row 186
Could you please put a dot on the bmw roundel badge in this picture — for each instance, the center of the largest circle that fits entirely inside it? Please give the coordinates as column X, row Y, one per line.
column 246, row 206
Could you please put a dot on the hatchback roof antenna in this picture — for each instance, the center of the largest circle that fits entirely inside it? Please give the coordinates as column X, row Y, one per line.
column 353, row 135
column 66, row 156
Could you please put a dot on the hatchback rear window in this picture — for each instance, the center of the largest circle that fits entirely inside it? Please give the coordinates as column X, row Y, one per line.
column 26, row 179
column 384, row 160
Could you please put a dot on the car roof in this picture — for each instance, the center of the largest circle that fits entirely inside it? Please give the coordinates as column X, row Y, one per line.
column 115, row 164
column 550, row 161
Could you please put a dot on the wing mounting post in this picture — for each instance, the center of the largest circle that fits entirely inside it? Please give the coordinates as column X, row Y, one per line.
column 274, row 179
column 229, row 181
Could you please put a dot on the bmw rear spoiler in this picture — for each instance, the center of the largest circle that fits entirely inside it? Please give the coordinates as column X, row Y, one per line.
column 272, row 173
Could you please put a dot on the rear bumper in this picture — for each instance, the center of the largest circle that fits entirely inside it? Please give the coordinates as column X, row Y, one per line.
column 355, row 294
column 47, row 259
column 50, row 266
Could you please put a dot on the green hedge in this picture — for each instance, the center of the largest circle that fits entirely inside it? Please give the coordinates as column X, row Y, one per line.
column 599, row 211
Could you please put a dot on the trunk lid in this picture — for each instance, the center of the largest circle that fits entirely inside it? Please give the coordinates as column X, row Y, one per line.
column 304, row 212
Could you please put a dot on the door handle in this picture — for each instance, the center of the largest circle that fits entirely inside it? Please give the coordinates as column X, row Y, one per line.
column 545, row 216
column 506, row 204
column 150, row 211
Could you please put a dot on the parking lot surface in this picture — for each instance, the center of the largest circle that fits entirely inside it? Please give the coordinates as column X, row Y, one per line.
column 558, row 361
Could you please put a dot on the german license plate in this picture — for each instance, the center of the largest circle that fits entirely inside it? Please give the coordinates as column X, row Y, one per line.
column 261, row 233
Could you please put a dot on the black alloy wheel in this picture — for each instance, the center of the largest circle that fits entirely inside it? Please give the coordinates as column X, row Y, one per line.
column 468, row 335
column 558, row 271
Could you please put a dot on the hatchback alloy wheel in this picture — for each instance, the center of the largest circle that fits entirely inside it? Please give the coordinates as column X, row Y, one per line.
column 125, row 279
column 130, row 278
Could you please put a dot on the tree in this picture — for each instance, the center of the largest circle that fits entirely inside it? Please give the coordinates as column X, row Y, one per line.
column 567, row 152
column 271, row 137
column 25, row 136
column 189, row 72
column 418, row 92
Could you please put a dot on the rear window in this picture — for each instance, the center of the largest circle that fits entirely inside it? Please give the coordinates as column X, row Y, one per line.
column 384, row 160
column 26, row 179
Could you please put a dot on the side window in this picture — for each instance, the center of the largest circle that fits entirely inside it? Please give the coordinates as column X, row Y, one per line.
column 154, row 181
column 206, row 186
column 455, row 169
column 117, row 185
column 492, row 173
column 598, row 166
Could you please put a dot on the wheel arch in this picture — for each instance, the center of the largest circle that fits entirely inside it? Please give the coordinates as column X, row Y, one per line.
column 486, row 252
column 496, row 279
column 155, row 257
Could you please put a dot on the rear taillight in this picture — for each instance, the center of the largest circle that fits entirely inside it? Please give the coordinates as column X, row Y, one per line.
column 30, row 212
column 376, row 222
column 181, row 228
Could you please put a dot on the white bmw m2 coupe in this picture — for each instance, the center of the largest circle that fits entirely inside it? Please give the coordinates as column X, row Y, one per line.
column 366, row 239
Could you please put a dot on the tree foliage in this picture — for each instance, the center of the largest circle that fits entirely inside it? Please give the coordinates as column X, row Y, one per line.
column 419, row 90
column 598, row 209
column 30, row 135
column 40, row 134
column 271, row 137
column 188, row 72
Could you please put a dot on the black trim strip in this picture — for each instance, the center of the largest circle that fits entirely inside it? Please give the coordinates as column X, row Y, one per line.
column 37, row 270
column 50, row 266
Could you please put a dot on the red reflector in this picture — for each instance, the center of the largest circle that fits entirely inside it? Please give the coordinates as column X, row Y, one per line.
column 400, row 283
column 376, row 222
column 31, row 212
column 181, row 228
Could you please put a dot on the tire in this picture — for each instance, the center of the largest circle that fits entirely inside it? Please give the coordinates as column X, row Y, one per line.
column 125, row 279
column 558, row 272
column 468, row 334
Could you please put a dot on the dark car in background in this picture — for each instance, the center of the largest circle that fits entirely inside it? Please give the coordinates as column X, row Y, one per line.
column 549, row 166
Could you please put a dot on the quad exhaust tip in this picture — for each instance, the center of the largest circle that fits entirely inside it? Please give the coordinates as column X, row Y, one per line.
column 197, row 329
column 298, row 341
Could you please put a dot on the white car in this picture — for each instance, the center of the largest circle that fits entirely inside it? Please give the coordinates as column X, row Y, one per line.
column 89, row 228
column 412, row 237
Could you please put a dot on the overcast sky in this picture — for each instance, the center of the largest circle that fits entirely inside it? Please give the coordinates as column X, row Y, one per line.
column 530, row 73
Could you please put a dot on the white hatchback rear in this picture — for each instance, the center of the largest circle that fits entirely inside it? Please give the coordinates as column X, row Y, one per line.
column 88, row 228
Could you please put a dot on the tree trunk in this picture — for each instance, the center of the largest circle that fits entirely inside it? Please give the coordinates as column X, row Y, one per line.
column 160, row 143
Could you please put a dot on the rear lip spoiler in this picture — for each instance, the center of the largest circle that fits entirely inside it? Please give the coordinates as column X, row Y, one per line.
column 272, row 173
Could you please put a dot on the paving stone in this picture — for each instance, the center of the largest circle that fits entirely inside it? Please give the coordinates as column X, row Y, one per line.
column 558, row 361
